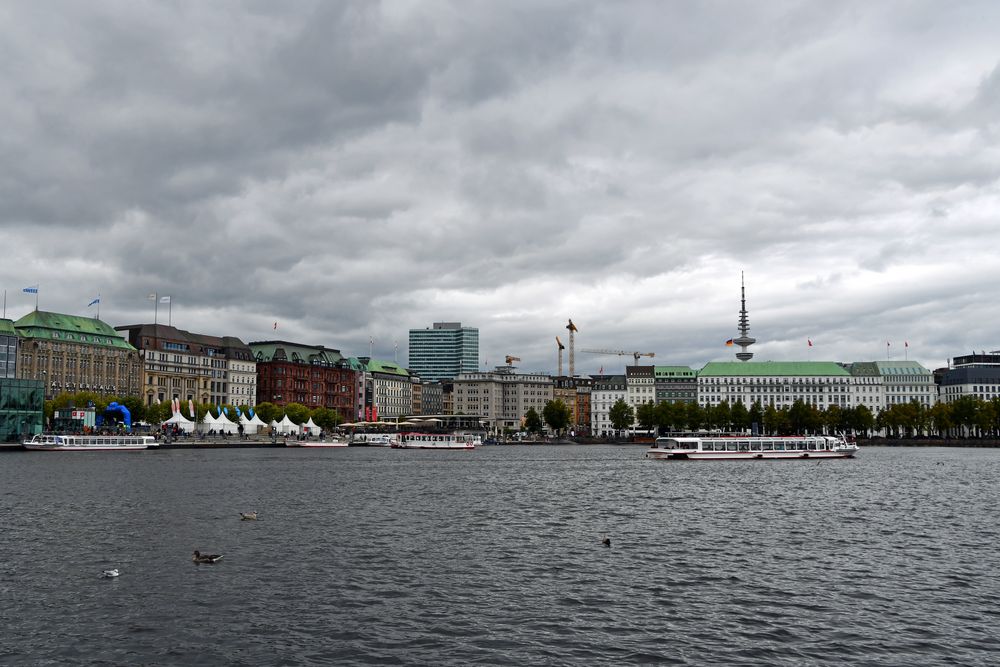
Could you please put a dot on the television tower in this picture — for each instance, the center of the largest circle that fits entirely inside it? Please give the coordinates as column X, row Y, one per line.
column 744, row 340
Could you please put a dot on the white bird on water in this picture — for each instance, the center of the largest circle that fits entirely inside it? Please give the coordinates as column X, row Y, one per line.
column 110, row 574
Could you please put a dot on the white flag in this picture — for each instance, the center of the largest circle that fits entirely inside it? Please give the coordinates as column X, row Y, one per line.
column 164, row 299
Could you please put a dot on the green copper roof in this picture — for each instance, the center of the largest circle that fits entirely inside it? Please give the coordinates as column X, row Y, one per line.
column 376, row 366
column 674, row 372
column 69, row 328
column 901, row 367
column 773, row 368
column 295, row 353
column 7, row 327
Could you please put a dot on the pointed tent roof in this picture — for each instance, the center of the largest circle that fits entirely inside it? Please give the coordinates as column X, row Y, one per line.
column 257, row 420
column 178, row 418
column 287, row 422
column 208, row 418
column 223, row 419
column 311, row 423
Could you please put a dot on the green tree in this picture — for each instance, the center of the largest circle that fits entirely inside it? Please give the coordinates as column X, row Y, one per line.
column 297, row 412
column 940, row 418
column 645, row 414
column 863, row 420
column 695, row 416
column 532, row 421
column 803, row 417
column 326, row 418
column 740, row 417
column 757, row 415
column 557, row 415
column 720, row 416
column 964, row 412
column 135, row 407
column 268, row 412
column 621, row 415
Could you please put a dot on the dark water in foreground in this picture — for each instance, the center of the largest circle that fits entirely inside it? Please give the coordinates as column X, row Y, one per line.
column 373, row 556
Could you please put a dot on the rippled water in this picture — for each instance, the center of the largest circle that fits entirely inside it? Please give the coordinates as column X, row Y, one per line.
column 376, row 556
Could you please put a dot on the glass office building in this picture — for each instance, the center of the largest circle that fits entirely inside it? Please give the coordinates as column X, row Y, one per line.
column 21, row 408
column 444, row 351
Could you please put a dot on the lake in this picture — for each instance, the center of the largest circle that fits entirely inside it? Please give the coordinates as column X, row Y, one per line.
column 407, row 557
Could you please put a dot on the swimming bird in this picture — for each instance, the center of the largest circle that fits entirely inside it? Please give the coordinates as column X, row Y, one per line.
column 205, row 558
column 606, row 541
column 248, row 516
column 110, row 574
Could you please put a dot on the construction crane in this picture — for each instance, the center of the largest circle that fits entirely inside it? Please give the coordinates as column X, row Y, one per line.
column 561, row 348
column 622, row 353
column 572, row 330
column 511, row 360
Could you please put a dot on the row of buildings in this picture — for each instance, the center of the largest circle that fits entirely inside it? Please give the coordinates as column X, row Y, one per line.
column 56, row 353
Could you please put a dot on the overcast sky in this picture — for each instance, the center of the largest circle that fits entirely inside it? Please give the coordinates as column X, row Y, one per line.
column 357, row 169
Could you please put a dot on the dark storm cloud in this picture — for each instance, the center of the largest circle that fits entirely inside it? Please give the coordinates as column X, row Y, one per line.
column 357, row 169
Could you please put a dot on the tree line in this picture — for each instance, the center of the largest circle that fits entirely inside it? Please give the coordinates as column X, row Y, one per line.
column 966, row 417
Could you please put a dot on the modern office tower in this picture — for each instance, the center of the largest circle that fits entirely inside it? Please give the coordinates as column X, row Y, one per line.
column 444, row 351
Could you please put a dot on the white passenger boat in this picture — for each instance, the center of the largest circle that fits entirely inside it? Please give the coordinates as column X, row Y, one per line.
column 747, row 447
column 373, row 439
column 329, row 442
column 435, row 441
column 89, row 443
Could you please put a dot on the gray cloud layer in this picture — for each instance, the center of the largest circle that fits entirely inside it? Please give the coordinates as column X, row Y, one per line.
column 359, row 169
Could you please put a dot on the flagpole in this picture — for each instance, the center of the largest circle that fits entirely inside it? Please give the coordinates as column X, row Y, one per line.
column 170, row 311
column 36, row 297
column 156, row 303
column 5, row 304
column 98, row 305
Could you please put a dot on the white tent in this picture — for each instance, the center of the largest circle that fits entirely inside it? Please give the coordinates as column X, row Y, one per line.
column 207, row 423
column 257, row 421
column 310, row 428
column 287, row 426
column 249, row 427
column 180, row 422
column 223, row 425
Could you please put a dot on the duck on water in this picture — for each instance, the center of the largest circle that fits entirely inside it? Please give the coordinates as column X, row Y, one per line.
column 205, row 558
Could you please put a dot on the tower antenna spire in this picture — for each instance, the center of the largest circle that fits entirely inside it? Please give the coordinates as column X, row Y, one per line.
column 744, row 340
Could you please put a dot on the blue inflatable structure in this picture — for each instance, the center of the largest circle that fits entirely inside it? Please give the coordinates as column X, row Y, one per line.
column 118, row 412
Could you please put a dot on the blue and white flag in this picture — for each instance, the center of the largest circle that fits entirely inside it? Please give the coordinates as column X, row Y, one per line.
column 250, row 411
column 226, row 410
column 238, row 413
column 31, row 290
column 97, row 300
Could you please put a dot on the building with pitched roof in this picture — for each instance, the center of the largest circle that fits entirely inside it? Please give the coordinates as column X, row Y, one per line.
column 389, row 388
column 69, row 353
column 192, row 367
column 311, row 375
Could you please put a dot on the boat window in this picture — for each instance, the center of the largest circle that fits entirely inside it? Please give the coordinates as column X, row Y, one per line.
column 731, row 446
column 755, row 445
column 707, row 446
column 744, row 445
column 779, row 446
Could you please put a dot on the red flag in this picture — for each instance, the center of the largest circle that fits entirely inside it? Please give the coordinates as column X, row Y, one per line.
column 275, row 325
column 906, row 343
column 810, row 342
column 601, row 372
column 729, row 343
